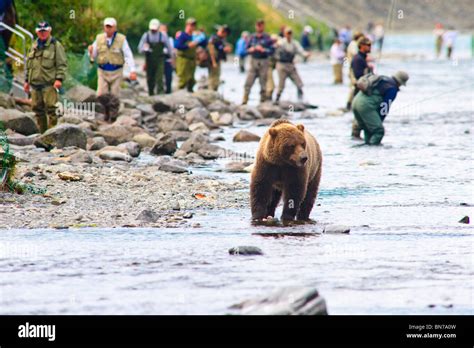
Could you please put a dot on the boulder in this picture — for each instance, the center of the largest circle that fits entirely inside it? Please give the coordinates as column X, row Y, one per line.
column 210, row 151
column 270, row 110
column 179, row 101
column 148, row 215
column 245, row 136
column 70, row 119
column 18, row 121
column 194, row 142
column 146, row 109
column 61, row 136
column 245, row 250
column 207, row 96
column 196, row 115
column 6, row 101
column 144, row 140
column 180, row 135
column 247, row 113
column 220, row 106
column 290, row 106
column 81, row 94
column 132, row 148
column 337, row 229
column 126, row 121
column 96, row 143
column 168, row 164
column 171, row 122
column 199, row 127
column 237, row 167
column 286, row 301
column 115, row 134
column 22, row 140
column 225, row 119
column 165, row 145
column 113, row 155
column 80, row 156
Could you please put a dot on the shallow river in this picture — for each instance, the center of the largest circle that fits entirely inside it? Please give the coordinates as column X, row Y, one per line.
column 406, row 252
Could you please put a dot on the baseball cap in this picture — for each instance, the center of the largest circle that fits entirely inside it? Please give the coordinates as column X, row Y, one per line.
column 154, row 24
column 110, row 21
column 191, row 20
column 43, row 26
column 364, row 41
column 401, row 77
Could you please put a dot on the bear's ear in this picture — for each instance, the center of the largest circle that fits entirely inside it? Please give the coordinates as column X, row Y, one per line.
column 273, row 132
column 300, row 127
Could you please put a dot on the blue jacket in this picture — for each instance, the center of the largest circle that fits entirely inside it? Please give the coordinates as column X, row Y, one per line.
column 241, row 47
column 181, row 42
column 359, row 65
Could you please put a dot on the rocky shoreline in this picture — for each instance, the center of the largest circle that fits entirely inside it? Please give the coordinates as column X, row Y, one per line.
column 126, row 162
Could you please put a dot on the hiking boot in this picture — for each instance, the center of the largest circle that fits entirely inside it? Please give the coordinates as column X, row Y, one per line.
column 300, row 94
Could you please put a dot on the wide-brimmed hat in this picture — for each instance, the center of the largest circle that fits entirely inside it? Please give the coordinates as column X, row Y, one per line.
column 401, row 77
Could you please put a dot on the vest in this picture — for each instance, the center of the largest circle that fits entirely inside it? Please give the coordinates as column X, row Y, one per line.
column 113, row 54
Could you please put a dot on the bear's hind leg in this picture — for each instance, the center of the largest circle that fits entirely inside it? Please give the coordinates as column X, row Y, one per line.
column 308, row 202
column 276, row 196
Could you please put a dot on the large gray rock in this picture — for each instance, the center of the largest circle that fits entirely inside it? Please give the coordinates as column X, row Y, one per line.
column 179, row 101
column 168, row 164
column 22, row 140
column 220, row 106
column 194, row 142
column 207, row 96
column 245, row 136
column 144, row 139
column 61, row 136
column 247, row 113
column 115, row 134
column 170, row 122
column 270, row 110
column 132, row 148
column 210, row 151
column 245, row 250
column 6, row 101
column 287, row 301
column 165, row 145
column 18, row 121
column 111, row 155
column 81, row 94
column 96, row 143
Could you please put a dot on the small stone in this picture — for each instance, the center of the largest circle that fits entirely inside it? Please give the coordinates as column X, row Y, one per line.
column 188, row 215
column 68, row 176
column 245, row 136
column 336, row 229
column 148, row 216
column 245, row 250
column 176, row 206
column 465, row 220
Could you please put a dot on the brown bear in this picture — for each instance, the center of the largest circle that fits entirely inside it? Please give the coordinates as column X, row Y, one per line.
column 288, row 162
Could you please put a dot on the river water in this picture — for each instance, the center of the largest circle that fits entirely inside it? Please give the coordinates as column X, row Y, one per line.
column 406, row 252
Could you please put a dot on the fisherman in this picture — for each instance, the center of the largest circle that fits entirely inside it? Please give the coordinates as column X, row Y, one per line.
column 45, row 71
column 359, row 68
column 241, row 50
column 372, row 106
column 287, row 49
column 438, row 33
column 153, row 44
column 337, row 56
column 270, row 85
column 186, row 56
column 352, row 50
column 218, row 49
column 170, row 59
column 260, row 48
column 112, row 51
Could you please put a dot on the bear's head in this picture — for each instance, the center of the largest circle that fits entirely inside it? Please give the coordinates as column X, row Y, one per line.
column 287, row 145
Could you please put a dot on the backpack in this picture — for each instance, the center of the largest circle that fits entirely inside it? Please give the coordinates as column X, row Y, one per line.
column 368, row 82
column 203, row 59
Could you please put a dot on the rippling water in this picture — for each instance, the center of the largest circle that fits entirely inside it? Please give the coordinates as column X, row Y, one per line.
column 406, row 253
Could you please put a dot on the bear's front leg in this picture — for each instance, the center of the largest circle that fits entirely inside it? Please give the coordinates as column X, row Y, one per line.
column 292, row 197
column 260, row 193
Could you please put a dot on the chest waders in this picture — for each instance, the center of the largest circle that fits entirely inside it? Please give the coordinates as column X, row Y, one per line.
column 155, row 67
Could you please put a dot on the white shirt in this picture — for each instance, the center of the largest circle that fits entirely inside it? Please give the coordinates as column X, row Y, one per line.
column 127, row 53
column 449, row 37
column 337, row 54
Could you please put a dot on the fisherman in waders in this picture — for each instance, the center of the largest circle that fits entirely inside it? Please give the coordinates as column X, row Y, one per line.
column 112, row 51
column 153, row 44
column 287, row 49
column 359, row 68
column 186, row 56
column 45, row 70
column 259, row 47
column 372, row 105
column 218, row 49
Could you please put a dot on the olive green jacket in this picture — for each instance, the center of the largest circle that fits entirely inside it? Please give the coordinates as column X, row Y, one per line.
column 47, row 64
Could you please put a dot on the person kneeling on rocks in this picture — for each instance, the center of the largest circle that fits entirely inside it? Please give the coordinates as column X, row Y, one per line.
column 372, row 105
column 287, row 49
column 45, row 70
